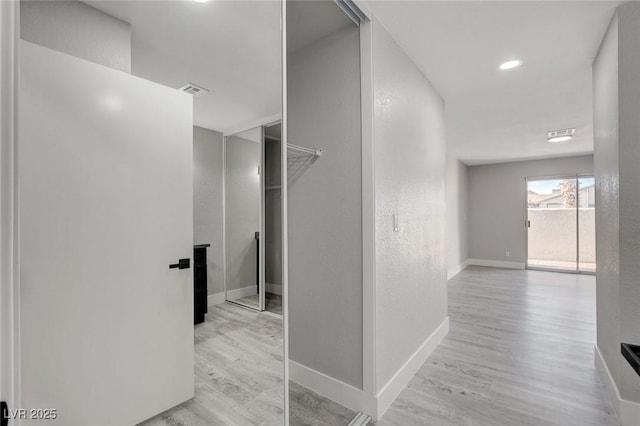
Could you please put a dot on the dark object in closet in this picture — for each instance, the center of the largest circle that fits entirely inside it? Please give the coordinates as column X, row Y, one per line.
column 199, row 282
column 257, row 236
column 632, row 354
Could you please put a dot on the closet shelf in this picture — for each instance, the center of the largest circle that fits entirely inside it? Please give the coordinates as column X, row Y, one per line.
column 299, row 159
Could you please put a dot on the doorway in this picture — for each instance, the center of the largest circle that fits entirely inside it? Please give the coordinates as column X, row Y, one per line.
column 561, row 224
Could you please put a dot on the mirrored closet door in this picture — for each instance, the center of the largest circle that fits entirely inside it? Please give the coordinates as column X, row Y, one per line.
column 253, row 219
column 133, row 133
column 244, row 251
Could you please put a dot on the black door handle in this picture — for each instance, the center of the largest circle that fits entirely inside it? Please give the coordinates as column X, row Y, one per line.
column 182, row 264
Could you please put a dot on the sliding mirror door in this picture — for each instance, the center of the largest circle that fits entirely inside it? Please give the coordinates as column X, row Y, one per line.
column 244, row 242
column 587, row 224
column 123, row 111
column 324, row 195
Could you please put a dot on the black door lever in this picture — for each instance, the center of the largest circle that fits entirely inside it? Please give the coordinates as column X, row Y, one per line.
column 182, row 264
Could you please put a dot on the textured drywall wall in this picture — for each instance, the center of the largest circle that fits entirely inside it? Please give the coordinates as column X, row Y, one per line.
column 325, row 208
column 629, row 159
column 457, row 216
column 79, row 30
column 409, row 143
column 617, row 155
column 207, row 202
column 497, row 204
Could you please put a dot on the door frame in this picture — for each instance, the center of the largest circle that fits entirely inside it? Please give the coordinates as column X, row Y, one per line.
column 9, row 201
column 576, row 176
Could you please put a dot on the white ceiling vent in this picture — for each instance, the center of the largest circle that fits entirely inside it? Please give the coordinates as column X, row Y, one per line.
column 194, row 89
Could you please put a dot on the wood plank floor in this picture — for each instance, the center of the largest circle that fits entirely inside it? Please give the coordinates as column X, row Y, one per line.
column 307, row 408
column 238, row 372
column 273, row 302
column 519, row 352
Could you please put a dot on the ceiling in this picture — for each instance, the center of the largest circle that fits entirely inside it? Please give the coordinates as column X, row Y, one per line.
column 229, row 47
column 233, row 49
column 493, row 115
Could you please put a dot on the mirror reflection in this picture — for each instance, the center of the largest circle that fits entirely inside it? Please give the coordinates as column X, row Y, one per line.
column 159, row 123
column 324, row 183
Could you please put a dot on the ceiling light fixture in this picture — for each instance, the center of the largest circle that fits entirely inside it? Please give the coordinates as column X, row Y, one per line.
column 558, row 136
column 509, row 65
column 201, row 1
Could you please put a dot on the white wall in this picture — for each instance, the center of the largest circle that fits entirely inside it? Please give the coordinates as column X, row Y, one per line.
column 207, row 202
column 629, row 161
column 325, row 208
column 617, row 155
column 457, row 216
column 497, row 204
column 79, row 30
column 409, row 143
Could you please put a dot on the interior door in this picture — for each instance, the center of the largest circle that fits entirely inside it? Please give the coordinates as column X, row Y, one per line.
column 105, row 172
column 552, row 224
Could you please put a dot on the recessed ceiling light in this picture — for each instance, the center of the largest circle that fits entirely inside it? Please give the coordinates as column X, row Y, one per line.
column 201, row 1
column 558, row 136
column 559, row 139
column 514, row 63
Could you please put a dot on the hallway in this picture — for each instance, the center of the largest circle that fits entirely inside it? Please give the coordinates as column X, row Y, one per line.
column 519, row 352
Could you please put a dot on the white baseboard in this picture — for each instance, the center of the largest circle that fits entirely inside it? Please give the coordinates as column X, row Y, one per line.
column 400, row 380
column 274, row 288
column 628, row 412
column 215, row 299
column 354, row 398
column 333, row 389
column 457, row 269
column 218, row 298
column 239, row 293
column 496, row 263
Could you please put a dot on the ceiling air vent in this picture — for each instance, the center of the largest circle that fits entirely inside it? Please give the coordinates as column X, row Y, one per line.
column 194, row 89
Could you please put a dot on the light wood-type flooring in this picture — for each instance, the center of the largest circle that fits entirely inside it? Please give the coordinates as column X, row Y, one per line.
column 272, row 302
column 519, row 353
column 238, row 372
column 307, row 408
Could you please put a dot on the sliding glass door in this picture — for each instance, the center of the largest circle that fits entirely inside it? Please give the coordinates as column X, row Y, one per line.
column 586, row 224
column 561, row 224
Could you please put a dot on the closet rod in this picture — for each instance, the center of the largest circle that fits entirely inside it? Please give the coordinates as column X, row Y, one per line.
column 303, row 150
